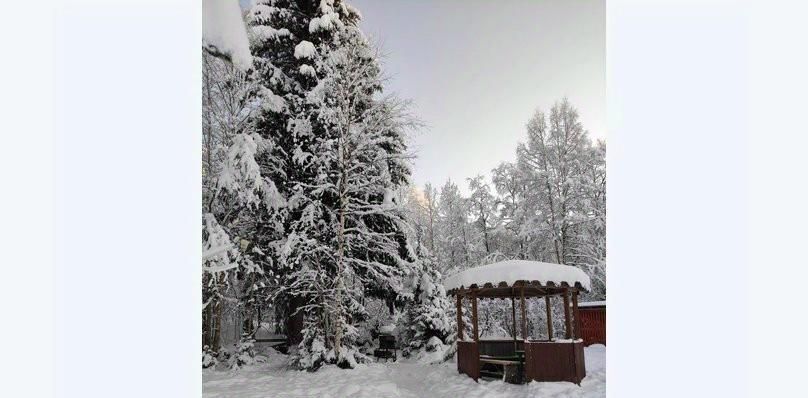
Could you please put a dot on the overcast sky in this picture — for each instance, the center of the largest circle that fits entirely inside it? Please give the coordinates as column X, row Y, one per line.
column 477, row 70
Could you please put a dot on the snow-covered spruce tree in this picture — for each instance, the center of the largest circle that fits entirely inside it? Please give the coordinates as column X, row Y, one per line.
column 342, row 151
column 232, row 189
column 274, row 28
column 426, row 322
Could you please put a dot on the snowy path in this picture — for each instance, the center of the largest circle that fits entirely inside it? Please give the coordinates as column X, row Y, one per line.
column 405, row 380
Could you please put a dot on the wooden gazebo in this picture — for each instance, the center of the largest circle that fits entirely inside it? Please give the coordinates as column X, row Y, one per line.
column 522, row 359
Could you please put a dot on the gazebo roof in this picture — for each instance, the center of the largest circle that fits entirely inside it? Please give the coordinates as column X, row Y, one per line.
column 538, row 277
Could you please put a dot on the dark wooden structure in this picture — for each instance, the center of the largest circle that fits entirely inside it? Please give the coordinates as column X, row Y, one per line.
column 593, row 322
column 387, row 347
column 277, row 341
column 532, row 359
column 468, row 358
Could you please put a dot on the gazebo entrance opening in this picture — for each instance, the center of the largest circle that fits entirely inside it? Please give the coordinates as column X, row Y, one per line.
column 521, row 359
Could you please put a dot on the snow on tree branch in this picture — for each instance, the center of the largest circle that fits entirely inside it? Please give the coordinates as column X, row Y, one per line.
column 223, row 32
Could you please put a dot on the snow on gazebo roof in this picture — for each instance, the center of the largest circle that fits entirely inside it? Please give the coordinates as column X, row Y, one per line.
column 592, row 304
column 511, row 271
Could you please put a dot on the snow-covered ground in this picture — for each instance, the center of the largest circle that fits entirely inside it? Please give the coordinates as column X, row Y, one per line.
column 392, row 379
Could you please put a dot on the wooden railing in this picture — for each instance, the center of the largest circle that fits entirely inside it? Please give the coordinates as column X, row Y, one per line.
column 500, row 348
column 555, row 361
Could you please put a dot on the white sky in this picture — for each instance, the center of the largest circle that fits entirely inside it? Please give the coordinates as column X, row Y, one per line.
column 477, row 70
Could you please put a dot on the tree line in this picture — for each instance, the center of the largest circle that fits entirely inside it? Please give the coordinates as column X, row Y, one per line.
column 548, row 205
column 310, row 218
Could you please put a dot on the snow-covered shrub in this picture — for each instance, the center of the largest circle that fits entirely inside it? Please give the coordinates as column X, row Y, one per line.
column 433, row 343
column 314, row 351
column 311, row 352
column 244, row 353
column 426, row 324
column 451, row 339
column 208, row 357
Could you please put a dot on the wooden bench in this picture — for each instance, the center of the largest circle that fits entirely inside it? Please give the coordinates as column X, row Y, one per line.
column 503, row 362
column 387, row 347
column 511, row 368
column 280, row 343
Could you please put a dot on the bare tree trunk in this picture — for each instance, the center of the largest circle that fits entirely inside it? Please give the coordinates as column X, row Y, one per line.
column 465, row 245
column 431, row 228
column 485, row 237
column 340, row 283
column 553, row 225
column 208, row 132
column 216, row 330
column 294, row 321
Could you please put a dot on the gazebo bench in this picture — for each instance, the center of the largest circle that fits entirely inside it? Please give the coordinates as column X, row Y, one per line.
column 511, row 369
column 498, row 361
column 387, row 347
column 503, row 362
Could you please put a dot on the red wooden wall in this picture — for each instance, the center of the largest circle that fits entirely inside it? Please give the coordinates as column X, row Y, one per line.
column 593, row 325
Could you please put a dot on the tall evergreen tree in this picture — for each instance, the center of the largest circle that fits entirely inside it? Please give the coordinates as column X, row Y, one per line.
column 341, row 152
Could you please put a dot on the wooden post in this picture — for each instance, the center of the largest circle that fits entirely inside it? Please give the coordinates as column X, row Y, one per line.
column 474, row 315
column 513, row 314
column 576, row 331
column 567, row 320
column 549, row 318
column 524, row 317
column 459, row 316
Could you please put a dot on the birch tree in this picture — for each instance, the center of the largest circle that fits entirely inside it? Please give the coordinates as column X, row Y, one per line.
column 483, row 209
column 552, row 159
column 455, row 240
